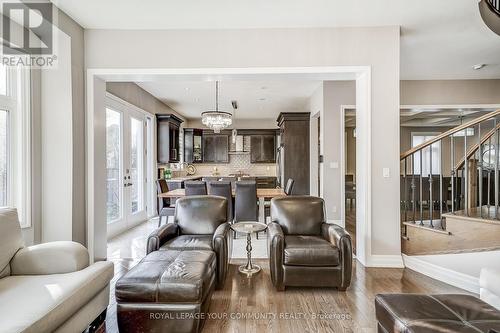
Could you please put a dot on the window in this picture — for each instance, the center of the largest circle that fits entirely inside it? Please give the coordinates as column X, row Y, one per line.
column 15, row 141
column 433, row 151
column 3, row 158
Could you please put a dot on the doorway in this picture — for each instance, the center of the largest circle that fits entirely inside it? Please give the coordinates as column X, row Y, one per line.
column 127, row 197
column 96, row 95
column 350, row 173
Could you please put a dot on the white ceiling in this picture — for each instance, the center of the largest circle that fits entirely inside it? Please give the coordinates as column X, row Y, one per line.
column 440, row 39
column 256, row 99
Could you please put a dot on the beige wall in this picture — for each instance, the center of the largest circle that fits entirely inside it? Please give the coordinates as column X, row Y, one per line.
column 446, row 92
column 75, row 31
column 335, row 94
column 132, row 93
column 376, row 47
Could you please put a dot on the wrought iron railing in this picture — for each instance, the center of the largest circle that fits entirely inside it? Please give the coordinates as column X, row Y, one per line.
column 467, row 177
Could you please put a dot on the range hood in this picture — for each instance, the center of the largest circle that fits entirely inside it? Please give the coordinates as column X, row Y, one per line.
column 239, row 146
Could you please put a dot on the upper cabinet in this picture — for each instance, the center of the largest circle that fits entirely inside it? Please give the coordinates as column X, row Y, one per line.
column 193, row 145
column 167, row 129
column 294, row 133
column 215, row 148
column 263, row 148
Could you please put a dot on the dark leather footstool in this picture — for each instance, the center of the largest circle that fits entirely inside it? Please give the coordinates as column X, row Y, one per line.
column 168, row 291
column 410, row 313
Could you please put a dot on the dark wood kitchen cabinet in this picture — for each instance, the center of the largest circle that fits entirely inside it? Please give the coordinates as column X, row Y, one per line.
column 167, row 129
column 263, row 148
column 215, row 148
column 192, row 145
column 294, row 133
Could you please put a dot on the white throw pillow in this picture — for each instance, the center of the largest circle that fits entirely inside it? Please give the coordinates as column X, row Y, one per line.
column 11, row 238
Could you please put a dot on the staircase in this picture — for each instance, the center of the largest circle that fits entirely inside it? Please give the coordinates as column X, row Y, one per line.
column 450, row 190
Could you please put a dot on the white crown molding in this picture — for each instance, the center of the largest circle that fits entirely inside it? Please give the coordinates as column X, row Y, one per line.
column 454, row 278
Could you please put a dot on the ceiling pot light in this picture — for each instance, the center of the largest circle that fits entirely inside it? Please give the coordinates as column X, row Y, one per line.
column 216, row 119
column 478, row 66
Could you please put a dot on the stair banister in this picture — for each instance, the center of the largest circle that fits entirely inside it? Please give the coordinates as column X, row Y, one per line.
column 449, row 132
column 472, row 150
column 461, row 173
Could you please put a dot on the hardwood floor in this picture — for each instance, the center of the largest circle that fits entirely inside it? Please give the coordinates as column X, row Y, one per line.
column 288, row 311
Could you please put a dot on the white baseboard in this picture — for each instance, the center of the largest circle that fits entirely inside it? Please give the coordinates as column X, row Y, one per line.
column 387, row 261
column 445, row 275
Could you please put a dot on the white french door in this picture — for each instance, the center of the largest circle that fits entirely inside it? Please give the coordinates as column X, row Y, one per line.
column 126, row 139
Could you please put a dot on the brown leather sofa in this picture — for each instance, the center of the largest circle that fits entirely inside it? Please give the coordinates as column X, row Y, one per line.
column 168, row 291
column 303, row 249
column 200, row 223
column 413, row 313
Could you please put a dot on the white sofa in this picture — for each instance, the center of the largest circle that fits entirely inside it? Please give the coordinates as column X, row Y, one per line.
column 48, row 287
column 489, row 286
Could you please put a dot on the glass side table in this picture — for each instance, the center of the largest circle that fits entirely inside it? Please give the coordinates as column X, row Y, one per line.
column 249, row 228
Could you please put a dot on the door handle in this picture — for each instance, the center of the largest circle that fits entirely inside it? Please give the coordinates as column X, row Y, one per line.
column 127, row 184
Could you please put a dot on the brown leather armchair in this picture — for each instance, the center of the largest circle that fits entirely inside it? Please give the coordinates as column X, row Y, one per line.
column 303, row 249
column 200, row 223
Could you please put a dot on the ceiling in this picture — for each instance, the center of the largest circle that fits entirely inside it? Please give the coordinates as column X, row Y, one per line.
column 440, row 39
column 256, row 99
column 430, row 117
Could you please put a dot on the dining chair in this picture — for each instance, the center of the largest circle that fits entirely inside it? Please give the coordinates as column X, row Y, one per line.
column 245, row 206
column 195, row 188
column 232, row 180
column 289, row 186
column 223, row 189
column 165, row 206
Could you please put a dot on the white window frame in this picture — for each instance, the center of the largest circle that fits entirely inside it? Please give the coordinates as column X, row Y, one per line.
column 425, row 151
column 17, row 103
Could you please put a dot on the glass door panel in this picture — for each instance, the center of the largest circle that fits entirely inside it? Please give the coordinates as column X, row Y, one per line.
column 136, row 165
column 126, row 172
column 114, row 166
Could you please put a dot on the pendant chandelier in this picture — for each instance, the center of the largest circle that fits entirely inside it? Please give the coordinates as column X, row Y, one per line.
column 216, row 120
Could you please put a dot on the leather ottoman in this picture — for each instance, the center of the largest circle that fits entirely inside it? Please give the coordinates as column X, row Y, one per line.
column 168, row 291
column 412, row 313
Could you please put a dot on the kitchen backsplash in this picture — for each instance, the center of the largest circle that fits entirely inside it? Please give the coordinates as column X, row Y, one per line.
column 239, row 162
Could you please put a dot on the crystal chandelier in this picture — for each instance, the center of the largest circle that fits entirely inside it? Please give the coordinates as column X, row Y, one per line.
column 216, row 120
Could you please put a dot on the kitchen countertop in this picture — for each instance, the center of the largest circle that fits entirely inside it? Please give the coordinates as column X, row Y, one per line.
column 184, row 178
column 196, row 177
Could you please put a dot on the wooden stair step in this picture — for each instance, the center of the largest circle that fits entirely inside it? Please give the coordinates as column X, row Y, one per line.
column 464, row 233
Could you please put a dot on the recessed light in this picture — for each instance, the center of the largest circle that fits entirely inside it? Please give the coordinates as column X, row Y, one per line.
column 478, row 66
